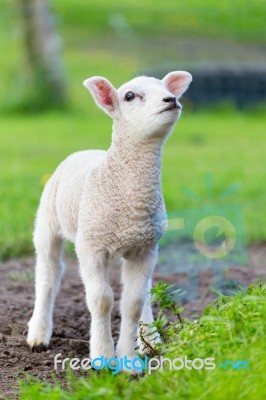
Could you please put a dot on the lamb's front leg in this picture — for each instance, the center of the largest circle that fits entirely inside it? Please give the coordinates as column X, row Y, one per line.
column 135, row 278
column 151, row 336
column 99, row 296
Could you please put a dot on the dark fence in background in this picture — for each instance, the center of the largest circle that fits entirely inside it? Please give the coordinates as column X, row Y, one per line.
column 243, row 85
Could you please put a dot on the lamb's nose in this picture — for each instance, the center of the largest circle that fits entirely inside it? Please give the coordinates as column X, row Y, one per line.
column 170, row 99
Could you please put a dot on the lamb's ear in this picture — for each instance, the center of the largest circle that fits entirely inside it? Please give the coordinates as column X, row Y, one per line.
column 103, row 93
column 177, row 82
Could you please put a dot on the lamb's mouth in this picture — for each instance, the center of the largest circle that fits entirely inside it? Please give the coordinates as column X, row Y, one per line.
column 171, row 106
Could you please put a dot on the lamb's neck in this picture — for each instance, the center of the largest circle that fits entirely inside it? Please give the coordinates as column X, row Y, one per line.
column 136, row 162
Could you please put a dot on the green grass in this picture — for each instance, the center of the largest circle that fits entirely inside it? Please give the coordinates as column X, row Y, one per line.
column 231, row 328
column 136, row 33
column 238, row 20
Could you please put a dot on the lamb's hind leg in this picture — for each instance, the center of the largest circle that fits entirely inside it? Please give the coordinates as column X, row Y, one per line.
column 48, row 273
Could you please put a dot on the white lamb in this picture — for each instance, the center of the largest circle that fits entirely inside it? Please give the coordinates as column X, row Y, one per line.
column 107, row 202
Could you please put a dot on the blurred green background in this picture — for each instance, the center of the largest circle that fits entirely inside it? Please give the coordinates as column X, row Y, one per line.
column 119, row 39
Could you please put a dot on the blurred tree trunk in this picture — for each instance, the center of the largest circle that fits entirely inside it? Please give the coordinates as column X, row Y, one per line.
column 42, row 49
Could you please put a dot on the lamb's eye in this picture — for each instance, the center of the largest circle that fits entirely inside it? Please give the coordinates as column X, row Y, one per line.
column 130, row 96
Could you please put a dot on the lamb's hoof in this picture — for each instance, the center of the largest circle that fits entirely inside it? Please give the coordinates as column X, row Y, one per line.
column 39, row 336
column 38, row 348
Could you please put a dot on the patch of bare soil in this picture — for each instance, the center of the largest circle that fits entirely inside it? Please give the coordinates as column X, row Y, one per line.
column 71, row 322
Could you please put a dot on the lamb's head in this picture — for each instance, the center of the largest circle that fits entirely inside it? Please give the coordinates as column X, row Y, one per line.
column 144, row 106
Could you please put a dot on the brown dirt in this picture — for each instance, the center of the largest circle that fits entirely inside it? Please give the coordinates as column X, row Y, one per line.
column 71, row 322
